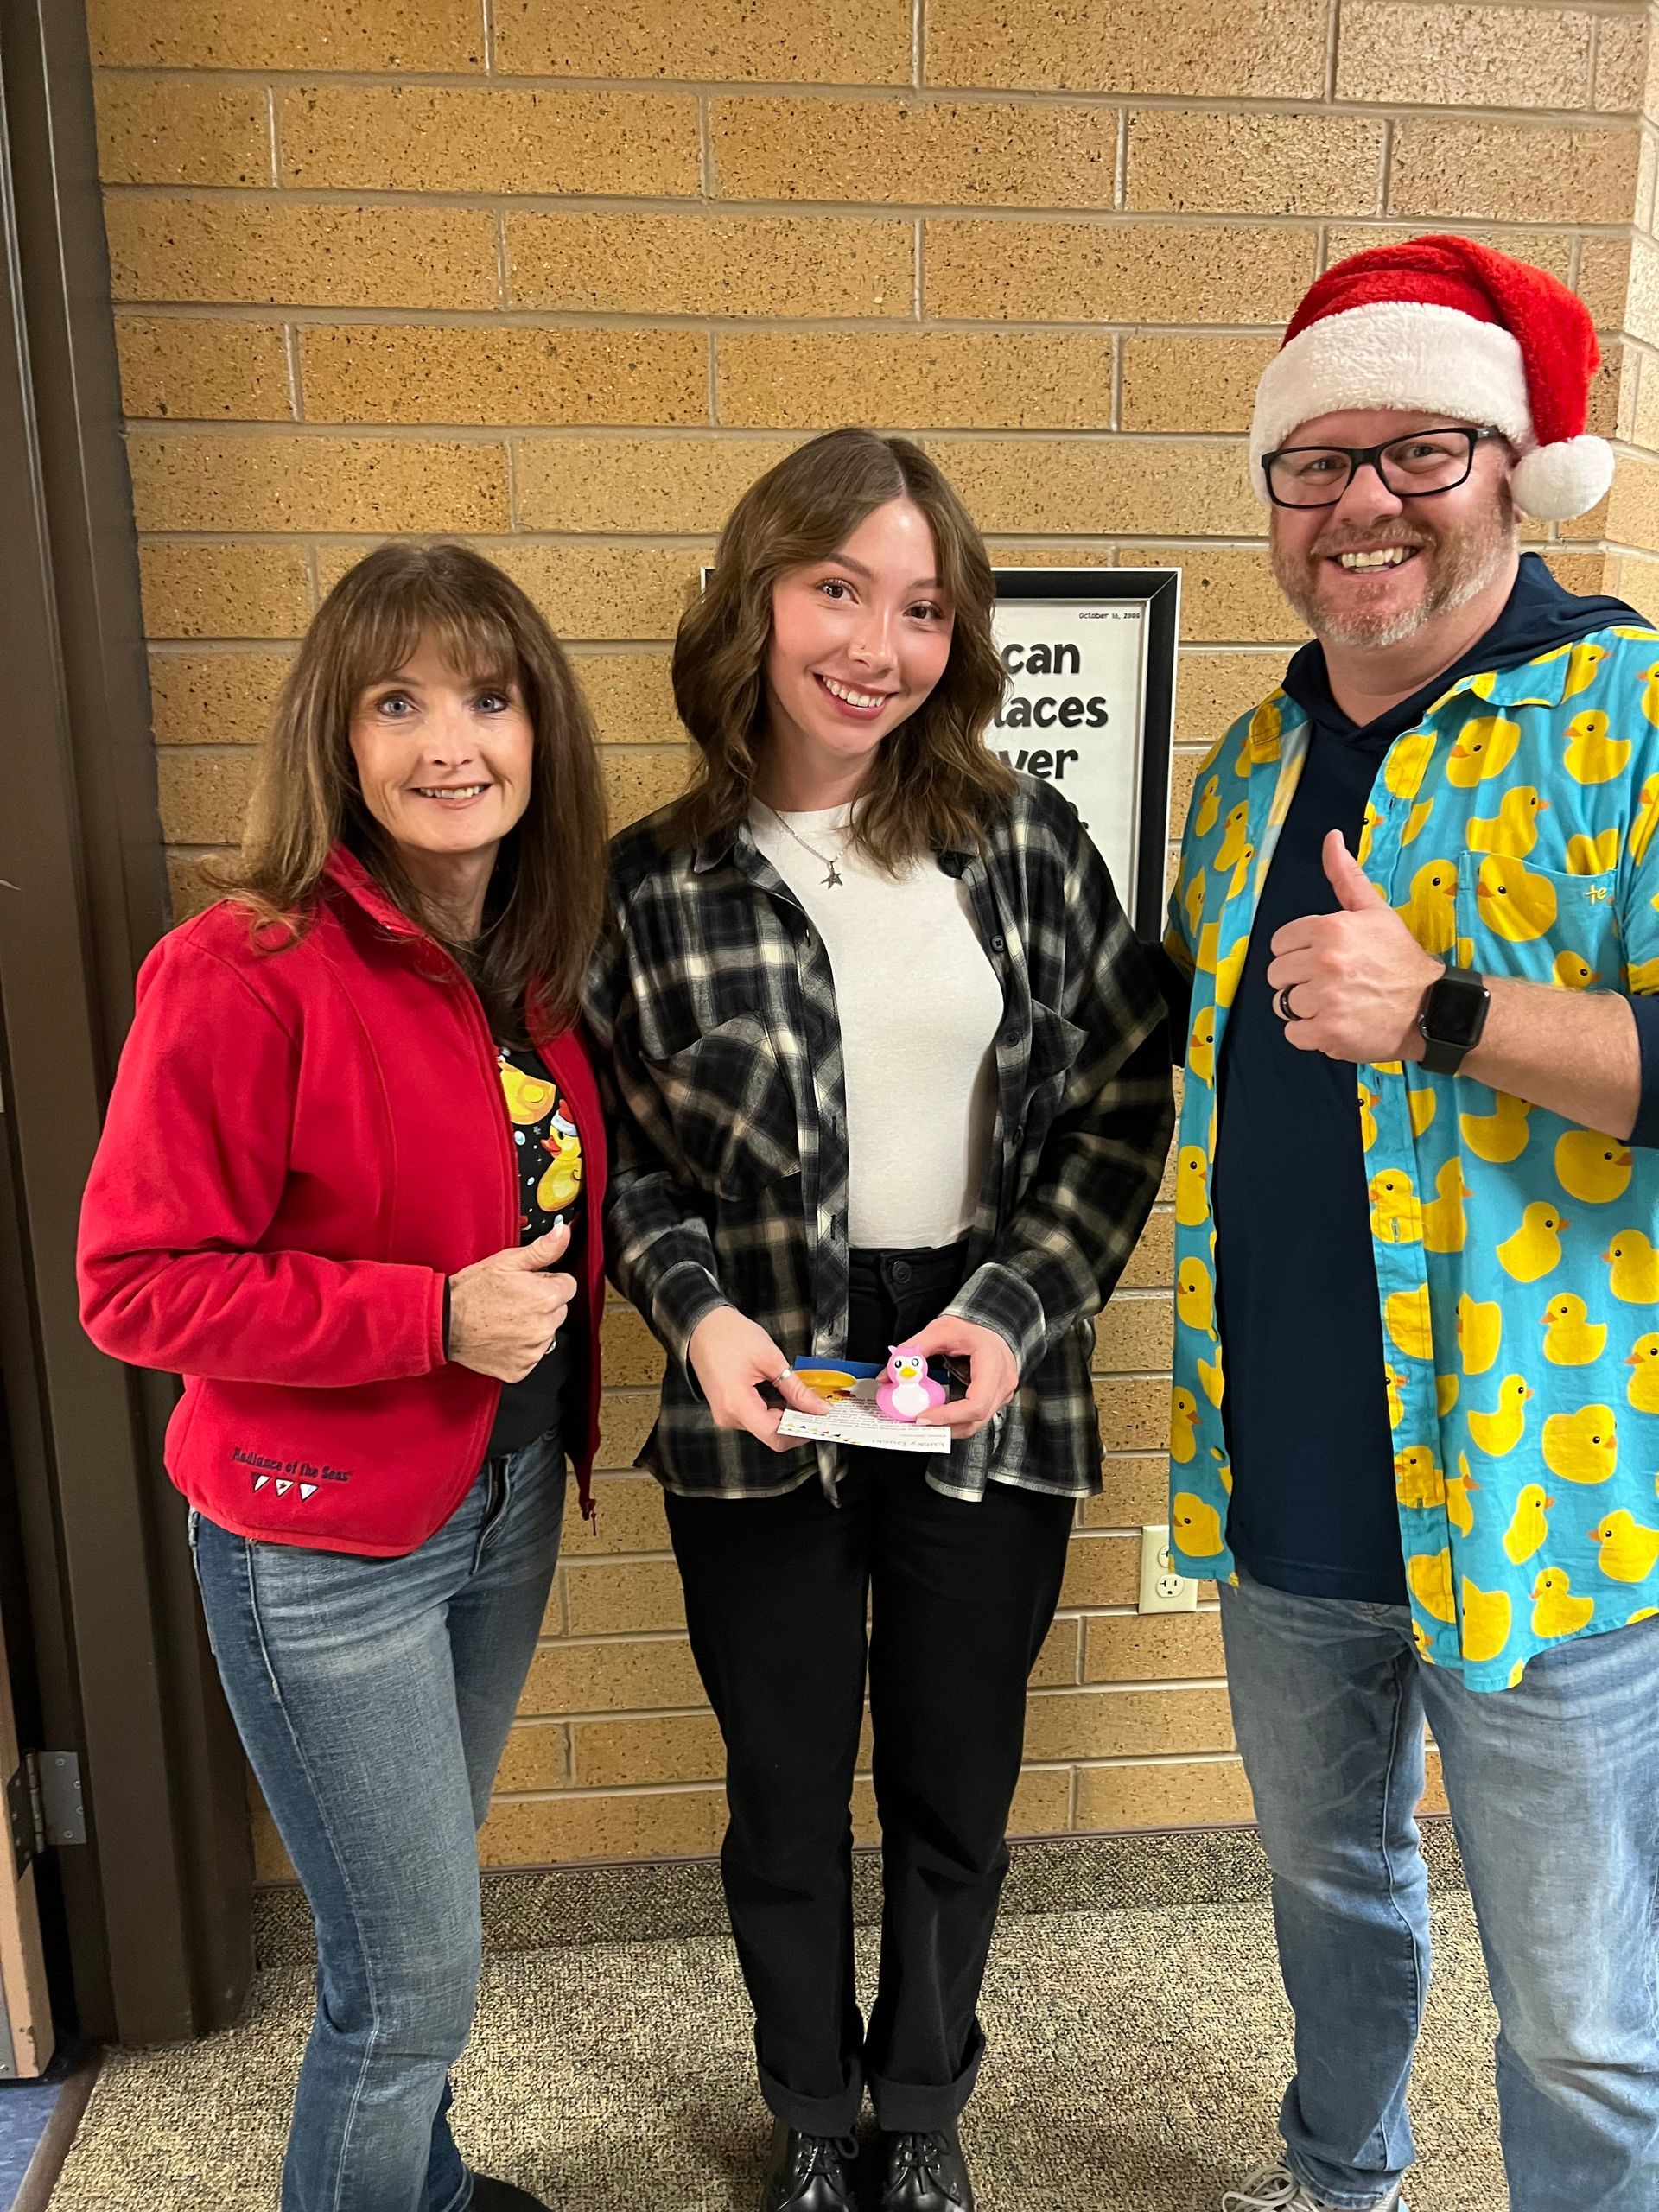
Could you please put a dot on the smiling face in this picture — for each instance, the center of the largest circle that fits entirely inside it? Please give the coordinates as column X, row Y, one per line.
column 443, row 762
column 1375, row 568
column 859, row 640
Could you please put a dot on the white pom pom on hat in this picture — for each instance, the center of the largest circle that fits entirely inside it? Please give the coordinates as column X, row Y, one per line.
column 1444, row 325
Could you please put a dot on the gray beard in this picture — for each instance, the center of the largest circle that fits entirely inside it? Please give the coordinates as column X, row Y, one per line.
column 1466, row 567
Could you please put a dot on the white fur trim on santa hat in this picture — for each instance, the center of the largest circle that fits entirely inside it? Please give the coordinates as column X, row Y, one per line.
column 1553, row 482
column 1401, row 353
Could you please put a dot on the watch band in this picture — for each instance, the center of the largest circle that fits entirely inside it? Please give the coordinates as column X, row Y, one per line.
column 1452, row 1018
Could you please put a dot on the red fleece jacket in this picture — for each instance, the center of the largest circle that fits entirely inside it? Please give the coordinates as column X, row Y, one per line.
column 301, row 1146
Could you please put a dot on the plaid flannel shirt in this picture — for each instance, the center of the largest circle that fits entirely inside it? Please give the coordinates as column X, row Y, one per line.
column 713, row 1011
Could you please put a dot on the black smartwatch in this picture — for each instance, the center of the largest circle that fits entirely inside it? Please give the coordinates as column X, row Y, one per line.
column 1451, row 1019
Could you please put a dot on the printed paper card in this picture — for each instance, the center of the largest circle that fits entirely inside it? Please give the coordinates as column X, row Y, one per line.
column 850, row 1413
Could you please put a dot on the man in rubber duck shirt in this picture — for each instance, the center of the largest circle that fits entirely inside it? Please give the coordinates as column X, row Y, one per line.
column 1414, row 943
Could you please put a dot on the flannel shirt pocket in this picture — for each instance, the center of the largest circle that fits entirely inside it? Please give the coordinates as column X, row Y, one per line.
column 1055, row 1046
column 731, row 1108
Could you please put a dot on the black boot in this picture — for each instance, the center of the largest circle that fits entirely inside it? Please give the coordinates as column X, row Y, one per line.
column 925, row 2173
column 808, row 2173
column 489, row 2195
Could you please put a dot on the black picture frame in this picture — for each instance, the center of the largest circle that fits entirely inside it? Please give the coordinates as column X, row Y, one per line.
column 1159, row 591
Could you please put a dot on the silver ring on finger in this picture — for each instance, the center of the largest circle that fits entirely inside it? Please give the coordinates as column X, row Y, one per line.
column 1282, row 1007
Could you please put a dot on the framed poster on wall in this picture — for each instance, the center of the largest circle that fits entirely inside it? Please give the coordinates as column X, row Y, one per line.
column 1090, row 709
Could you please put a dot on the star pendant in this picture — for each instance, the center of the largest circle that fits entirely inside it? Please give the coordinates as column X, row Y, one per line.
column 832, row 878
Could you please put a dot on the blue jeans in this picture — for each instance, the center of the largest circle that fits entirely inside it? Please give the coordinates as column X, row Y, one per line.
column 1554, row 1787
column 374, row 1697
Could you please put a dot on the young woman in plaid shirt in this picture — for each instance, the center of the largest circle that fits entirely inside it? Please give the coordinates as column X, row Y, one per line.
column 887, row 1069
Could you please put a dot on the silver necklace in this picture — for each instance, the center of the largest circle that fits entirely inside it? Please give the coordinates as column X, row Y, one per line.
column 835, row 877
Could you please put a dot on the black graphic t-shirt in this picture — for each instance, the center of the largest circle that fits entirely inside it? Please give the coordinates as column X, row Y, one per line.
column 549, row 1190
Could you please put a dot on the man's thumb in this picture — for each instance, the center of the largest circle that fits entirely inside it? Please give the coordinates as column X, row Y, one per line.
column 1354, row 888
column 547, row 1249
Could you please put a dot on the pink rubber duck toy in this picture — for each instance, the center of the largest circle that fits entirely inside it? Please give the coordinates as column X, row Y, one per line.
column 907, row 1388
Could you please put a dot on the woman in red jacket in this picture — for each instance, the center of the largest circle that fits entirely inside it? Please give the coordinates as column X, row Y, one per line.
column 350, row 1188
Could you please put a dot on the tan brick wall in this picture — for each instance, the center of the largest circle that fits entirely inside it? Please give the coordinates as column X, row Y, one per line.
column 564, row 279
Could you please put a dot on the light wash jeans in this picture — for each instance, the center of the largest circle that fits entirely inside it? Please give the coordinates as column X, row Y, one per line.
column 374, row 1697
column 1554, row 1787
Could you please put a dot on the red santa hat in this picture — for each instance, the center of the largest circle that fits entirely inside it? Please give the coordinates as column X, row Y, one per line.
column 1444, row 326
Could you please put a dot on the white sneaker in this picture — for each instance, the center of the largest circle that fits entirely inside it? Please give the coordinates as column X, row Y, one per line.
column 1275, row 2189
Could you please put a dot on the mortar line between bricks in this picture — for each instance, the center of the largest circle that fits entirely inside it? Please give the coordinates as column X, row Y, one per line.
column 630, row 321
column 1332, row 34
column 274, row 141
column 1103, row 214
column 677, row 91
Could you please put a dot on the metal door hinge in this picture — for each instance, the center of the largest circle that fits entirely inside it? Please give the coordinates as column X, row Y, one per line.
column 44, row 1807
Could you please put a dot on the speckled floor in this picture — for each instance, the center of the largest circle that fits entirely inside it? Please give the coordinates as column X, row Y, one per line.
column 1136, row 2057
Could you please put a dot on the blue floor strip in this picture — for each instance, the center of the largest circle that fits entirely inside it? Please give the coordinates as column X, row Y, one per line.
column 25, row 2108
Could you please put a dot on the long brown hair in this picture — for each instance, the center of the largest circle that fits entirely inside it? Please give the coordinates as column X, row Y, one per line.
column 933, row 783
column 545, row 898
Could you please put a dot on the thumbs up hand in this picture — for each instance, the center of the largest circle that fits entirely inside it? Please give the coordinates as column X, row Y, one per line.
column 1350, row 984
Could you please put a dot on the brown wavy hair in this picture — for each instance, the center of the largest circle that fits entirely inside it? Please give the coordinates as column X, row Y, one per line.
column 933, row 783
column 545, row 898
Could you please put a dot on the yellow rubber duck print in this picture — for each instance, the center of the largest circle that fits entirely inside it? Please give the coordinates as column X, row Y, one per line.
column 1369, row 824
column 1232, row 839
column 1592, row 1167
column 1582, row 662
column 1192, row 902
column 1417, row 1480
column 1183, row 1412
column 1429, row 913
column 1486, row 1616
column 1429, row 1575
column 1528, row 1529
column 1197, row 1526
column 1535, row 1247
column 1500, row 1136
column 1573, row 972
column 1210, row 1379
column 1629, row 1552
column 1396, row 1403
column 1644, row 977
column 1571, row 1339
column 1396, row 1217
column 1201, row 1046
column 1417, row 821
column 1420, row 1105
column 1369, row 1100
column 1402, row 771
column 1191, row 1187
column 1209, row 950
column 1647, row 816
column 1513, row 829
column 1480, row 1331
column 1555, row 1610
column 528, row 1096
column 1591, row 756
column 1241, row 875
column 1587, row 855
column 1512, row 903
column 1581, row 1447
column 1209, row 807
column 1484, row 748
column 1195, row 1300
column 1500, row 1432
column 1445, row 1228
column 563, row 1179
column 1643, row 1362
column 1460, row 1507
column 1634, row 1269
column 1228, row 972
column 1261, row 739
column 1406, row 1316
column 1446, row 1388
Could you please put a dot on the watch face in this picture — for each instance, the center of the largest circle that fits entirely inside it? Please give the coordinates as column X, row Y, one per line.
column 1455, row 1011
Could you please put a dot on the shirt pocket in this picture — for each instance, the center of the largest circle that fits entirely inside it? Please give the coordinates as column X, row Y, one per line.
column 1515, row 919
column 731, row 1107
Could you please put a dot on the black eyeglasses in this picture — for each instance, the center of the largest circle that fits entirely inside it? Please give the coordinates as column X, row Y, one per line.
column 1413, row 467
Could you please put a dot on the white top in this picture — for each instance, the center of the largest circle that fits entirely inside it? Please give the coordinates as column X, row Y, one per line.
column 921, row 1006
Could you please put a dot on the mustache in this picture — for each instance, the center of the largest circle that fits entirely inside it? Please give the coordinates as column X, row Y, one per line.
column 1350, row 540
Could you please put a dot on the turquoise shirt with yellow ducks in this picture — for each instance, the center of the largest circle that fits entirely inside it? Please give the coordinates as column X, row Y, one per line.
column 1517, row 1253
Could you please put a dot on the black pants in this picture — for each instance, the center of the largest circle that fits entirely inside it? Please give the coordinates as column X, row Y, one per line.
column 960, row 1596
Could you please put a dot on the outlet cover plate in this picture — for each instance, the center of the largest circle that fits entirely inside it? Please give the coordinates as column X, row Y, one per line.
column 1162, row 1589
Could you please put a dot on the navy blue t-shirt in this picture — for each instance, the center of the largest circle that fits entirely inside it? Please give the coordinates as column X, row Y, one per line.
column 1314, row 1508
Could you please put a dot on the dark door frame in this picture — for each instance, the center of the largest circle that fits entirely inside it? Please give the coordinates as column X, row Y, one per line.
column 156, row 1907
